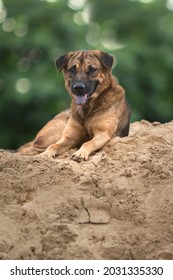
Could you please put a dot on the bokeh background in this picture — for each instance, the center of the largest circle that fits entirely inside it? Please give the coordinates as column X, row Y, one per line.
column 34, row 32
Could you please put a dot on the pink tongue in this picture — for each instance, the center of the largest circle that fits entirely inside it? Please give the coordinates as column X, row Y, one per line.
column 81, row 99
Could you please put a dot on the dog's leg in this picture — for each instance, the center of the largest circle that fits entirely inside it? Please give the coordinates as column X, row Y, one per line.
column 97, row 142
column 72, row 136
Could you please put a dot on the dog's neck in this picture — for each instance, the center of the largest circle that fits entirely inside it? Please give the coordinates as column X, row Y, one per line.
column 82, row 112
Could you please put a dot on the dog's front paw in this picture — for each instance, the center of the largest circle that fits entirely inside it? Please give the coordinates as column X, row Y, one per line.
column 80, row 155
column 50, row 152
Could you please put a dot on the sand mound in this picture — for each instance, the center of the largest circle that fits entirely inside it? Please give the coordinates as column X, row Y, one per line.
column 118, row 205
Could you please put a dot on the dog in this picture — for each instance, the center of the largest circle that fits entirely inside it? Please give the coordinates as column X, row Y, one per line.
column 99, row 110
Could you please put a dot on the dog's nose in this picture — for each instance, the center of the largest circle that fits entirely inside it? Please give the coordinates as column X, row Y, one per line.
column 78, row 87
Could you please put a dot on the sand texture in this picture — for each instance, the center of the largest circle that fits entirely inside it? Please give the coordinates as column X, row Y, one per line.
column 117, row 205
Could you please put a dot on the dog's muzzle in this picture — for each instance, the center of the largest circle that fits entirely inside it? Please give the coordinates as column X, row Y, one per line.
column 82, row 92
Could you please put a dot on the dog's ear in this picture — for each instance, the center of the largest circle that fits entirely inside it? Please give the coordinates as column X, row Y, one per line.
column 106, row 59
column 62, row 61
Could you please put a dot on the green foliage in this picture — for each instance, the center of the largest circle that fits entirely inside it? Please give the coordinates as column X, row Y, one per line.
column 34, row 32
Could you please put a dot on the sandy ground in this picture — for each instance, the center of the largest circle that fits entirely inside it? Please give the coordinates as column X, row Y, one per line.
column 118, row 205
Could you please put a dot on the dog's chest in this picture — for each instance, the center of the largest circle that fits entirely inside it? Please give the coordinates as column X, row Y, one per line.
column 85, row 116
column 84, row 112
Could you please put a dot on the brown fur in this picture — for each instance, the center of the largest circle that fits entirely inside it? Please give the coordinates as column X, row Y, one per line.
column 98, row 109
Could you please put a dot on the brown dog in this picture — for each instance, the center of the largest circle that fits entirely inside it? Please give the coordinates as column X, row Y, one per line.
column 98, row 110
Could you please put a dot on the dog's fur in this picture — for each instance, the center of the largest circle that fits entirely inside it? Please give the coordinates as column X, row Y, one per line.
column 98, row 111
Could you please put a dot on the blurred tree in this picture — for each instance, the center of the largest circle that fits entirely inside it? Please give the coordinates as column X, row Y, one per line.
column 34, row 32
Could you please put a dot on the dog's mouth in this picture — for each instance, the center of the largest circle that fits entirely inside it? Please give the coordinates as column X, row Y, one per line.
column 81, row 98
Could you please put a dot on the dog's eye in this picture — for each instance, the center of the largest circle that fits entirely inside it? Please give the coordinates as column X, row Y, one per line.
column 72, row 70
column 91, row 69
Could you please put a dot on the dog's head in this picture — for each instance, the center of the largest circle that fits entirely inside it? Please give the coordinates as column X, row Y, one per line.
column 86, row 73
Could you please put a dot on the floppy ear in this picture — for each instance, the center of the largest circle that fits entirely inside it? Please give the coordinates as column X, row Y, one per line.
column 106, row 59
column 61, row 61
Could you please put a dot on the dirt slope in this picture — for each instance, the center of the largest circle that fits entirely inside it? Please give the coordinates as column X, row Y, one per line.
column 118, row 205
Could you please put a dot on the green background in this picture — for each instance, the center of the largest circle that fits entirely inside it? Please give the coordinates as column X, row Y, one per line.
column 34, row 32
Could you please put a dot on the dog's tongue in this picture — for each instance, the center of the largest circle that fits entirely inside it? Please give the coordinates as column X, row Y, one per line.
column 81, row 99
